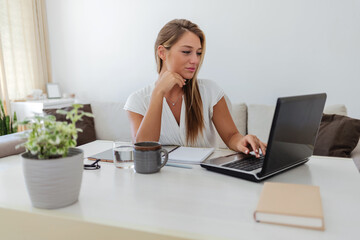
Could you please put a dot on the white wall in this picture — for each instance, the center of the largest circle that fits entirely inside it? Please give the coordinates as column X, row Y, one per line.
column 257, row 50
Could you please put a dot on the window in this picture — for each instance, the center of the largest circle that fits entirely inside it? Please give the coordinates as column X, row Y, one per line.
column 24, row 43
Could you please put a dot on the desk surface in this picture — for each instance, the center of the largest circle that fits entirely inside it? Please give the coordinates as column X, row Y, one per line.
column 192, row 203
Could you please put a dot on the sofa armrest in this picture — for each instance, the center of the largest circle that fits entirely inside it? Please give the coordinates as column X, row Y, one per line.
column 9, row 142
column 355, row 154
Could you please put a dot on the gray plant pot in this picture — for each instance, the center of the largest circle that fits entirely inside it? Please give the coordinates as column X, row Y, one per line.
column 53, row 183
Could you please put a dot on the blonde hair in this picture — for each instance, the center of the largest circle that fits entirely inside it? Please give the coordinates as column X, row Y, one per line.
column 167, row 37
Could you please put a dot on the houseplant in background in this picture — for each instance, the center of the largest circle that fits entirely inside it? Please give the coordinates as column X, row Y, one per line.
column 52, row 166
column 7, row 125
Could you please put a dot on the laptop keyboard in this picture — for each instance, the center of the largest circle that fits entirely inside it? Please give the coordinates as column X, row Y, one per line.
column 248, row 164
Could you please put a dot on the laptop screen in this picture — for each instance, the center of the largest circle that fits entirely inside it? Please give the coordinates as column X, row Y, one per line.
column 294, row 130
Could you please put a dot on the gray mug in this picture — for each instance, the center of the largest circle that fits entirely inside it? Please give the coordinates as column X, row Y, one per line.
column 147, row 157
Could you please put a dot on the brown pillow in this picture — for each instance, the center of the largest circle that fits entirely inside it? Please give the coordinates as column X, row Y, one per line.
column 87, row 124
column 338, row 136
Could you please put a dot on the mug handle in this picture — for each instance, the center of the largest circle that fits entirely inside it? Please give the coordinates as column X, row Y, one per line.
column 166, row 156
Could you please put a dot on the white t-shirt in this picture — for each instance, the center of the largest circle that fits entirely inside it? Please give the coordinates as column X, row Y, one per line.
column 171, row 133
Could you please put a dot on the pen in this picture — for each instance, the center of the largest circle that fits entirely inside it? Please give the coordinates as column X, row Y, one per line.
column 177, row 165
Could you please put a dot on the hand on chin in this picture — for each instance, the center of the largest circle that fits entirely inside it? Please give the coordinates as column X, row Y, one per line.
column 187, row 76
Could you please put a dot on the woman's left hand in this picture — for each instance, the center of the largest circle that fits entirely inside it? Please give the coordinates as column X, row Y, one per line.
column 250, row 143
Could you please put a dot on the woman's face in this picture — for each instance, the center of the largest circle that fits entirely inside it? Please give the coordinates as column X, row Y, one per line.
column 184, row 56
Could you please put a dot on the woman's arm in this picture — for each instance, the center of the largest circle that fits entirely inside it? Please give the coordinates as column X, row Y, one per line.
column 147, row 128
column 228, row 132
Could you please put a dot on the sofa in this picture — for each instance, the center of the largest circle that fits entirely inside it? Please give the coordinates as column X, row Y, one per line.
column 111, row 123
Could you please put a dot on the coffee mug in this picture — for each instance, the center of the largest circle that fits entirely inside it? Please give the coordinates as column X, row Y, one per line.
column 147, row 157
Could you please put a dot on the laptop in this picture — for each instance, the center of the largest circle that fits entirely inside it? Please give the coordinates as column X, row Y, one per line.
column 291, row 141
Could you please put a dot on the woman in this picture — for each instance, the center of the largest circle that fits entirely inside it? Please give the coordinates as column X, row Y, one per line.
column 178, row 108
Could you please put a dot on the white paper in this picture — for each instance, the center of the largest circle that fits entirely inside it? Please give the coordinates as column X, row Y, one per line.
column 190, row 155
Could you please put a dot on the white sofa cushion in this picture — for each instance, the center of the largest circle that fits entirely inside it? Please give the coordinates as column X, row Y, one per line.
column 338, row 109
column 111, row 121
column 260, row 118
column 239, row 114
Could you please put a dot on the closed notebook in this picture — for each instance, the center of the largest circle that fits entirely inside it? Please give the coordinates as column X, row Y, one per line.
column 189, row 155
column 290, row 204
column 105, row 156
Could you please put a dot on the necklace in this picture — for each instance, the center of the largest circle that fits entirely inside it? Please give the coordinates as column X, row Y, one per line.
column 173, row 103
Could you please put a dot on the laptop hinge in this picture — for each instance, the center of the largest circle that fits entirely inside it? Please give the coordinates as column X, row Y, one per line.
column 259, row 177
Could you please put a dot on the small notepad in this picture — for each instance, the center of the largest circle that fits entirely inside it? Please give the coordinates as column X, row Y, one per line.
column 190, row 155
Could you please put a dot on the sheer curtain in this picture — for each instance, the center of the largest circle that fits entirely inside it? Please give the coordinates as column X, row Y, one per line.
column 24, row 59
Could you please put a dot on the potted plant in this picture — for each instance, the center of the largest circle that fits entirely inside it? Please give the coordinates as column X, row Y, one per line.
column 52, row 166
column 7, row 125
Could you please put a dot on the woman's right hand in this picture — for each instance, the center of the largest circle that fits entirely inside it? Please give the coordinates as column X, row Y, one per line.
column 167, row 80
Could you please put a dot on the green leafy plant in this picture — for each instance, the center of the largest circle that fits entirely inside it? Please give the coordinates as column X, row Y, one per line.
column 7, row 125
column 49, row 138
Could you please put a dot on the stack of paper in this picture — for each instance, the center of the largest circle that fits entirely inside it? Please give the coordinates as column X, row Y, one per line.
column 189, row 155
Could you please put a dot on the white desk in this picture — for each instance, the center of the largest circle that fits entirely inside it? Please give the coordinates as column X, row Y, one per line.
column 175, row 203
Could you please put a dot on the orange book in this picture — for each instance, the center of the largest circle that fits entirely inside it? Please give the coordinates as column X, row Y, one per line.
column 294, row 205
